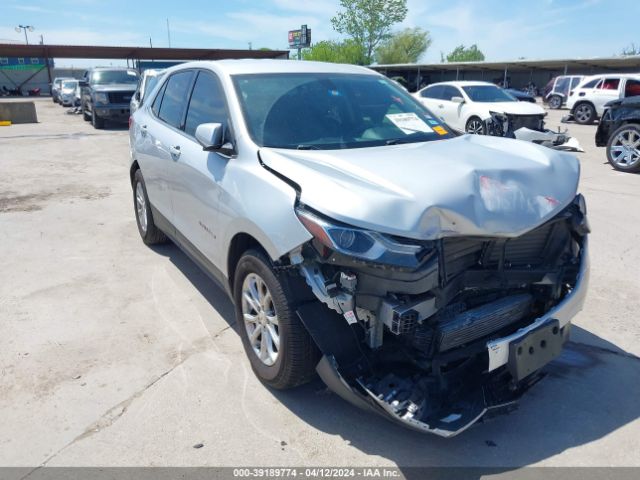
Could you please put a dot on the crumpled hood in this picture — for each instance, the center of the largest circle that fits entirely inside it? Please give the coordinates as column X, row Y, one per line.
column 515, row 108
column 468, row 185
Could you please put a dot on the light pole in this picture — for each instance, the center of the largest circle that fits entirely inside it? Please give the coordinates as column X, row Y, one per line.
column 25, row 28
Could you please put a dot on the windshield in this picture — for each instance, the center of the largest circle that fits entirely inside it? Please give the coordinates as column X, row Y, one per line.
column 330, row 111
column 488, row 93
column 69, row 84
column 103, row 77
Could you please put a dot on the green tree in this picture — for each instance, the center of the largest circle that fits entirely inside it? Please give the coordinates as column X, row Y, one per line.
column 369, row 22
column 347, row 51
column 630, row 50
column 462, row 54
column 406, row 46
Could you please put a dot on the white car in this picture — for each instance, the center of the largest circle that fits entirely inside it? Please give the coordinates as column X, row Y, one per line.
column 588, row 99
column 466, row 105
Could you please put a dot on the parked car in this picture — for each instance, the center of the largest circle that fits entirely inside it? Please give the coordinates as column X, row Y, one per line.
column 106, row 93
column 520, row 96
column 619, row 131
column 588, row 99
column 484, row 108
column 556, row 92
column 55, row 88
column 425, row 275
column 148, row 80
column 67, row 92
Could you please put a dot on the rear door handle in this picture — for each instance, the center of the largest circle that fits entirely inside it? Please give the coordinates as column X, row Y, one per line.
column 175, row 151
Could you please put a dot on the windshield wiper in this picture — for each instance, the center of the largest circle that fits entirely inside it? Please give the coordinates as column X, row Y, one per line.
column 408, row 139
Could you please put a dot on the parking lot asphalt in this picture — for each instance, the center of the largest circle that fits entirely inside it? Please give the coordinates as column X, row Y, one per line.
column 114, row 354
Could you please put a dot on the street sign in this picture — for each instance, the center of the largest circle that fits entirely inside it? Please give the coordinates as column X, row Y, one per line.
column 300, row 38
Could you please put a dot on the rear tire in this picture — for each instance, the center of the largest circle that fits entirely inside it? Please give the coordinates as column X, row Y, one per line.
column 623, row 148
column 265, row 302
column 555, row 102
column 149, row 233
column 584, row 113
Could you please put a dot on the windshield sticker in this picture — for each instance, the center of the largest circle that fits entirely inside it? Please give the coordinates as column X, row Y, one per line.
column 409, row 122
column 433, row 122
column 439, row 130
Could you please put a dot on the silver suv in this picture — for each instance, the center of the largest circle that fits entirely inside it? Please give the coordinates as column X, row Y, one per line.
column 424, row 275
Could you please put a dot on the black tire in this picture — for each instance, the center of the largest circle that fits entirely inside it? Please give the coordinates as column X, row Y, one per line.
column 471, row 126
column 96, row 121
column 54, row 99
column 86, row 117
column 297, row 353
column 152, row 235
column 629, row 164
column 584, row 113
column 555, row 102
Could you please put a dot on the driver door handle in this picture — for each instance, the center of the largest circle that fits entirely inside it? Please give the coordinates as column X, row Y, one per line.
column 174, row 150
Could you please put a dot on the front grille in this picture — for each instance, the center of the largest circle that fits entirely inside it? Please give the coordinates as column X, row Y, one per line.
column 120, row 97
column 529, row 249
column 533, row 122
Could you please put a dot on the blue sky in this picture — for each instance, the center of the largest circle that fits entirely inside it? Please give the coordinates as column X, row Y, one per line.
column 502, row 29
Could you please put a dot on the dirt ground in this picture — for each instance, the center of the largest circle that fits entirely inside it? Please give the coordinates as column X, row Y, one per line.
column 112, row 353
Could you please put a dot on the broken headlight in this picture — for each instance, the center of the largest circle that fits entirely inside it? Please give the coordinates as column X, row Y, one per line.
column 363, row 244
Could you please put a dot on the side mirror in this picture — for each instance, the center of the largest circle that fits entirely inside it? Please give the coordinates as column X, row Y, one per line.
column 457, row 99
column 211, row 137
column 83, row 83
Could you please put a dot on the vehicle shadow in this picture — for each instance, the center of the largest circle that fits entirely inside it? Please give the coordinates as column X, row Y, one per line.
column 589, row 392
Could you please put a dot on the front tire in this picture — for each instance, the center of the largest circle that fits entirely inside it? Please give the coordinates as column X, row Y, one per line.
column 584, row 113
column 96, row 121
column 149, row 233
column 86, row 117
column 475, row 126
column 280, row 350
column 555, row 102
column 623, row 148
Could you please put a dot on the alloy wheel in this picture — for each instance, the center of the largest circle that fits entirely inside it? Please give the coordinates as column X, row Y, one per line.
column 555, row 102
column 475, row 127
column 625, row 149
column 583, row 113
column 260, row 319
column 141, row 207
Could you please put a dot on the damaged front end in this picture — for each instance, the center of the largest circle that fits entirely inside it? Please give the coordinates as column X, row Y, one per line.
column 436, row 334
column 529, row 128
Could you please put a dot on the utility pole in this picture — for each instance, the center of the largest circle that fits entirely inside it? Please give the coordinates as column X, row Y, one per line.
column 19, row 28
column 250, row 46
column 168, row 33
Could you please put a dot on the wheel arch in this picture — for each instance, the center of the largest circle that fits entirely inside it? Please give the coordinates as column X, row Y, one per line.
column 239, row 244
column 132, row 170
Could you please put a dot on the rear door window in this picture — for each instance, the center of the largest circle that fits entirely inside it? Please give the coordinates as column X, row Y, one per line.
column 207, row 104
column 448, row 92
column 175, row 98
column 432, row 92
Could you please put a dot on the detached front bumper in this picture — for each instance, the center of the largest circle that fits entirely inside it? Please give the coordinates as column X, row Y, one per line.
column 495, row 389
